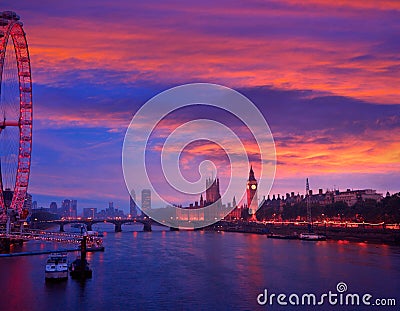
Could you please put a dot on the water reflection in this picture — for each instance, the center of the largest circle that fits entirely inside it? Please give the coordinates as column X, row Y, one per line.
column 55, row 286
column 197, row 270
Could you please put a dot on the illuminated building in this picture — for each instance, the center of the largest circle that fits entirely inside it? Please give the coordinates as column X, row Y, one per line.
column 212, row 191
column 69, row 208
column 196, row 211
column 252, row 199
column 132, row 204
column 65, row 207
column 146, row 199
column 73, row 212
column 213, row 197
column 236, row 212
column 53, row 207
column 89, row 212
column 351, row 197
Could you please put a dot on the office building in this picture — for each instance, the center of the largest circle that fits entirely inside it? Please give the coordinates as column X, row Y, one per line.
column 146, row 199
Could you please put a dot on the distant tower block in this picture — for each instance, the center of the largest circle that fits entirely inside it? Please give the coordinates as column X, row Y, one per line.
column 252, row 199
column 146, row 199
column 132, row 204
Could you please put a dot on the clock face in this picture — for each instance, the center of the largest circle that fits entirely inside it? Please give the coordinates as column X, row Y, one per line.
column 253, row 187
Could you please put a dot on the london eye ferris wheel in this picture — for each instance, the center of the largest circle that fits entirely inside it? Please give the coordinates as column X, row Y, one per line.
column 15, row 114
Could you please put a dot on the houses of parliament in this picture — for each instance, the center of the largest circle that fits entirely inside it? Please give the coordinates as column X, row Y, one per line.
column 215, row 209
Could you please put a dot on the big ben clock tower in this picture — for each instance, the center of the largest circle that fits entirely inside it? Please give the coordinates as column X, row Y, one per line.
column 252, row 200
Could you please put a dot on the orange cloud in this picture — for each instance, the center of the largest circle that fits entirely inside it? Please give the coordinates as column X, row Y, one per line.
column 371, row 153
column 358, row 4
column 166, row 53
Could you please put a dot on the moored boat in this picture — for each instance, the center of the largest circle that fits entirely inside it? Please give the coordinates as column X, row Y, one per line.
column 283, row 237
column 57, row 267
column 79, row 269
column 312, row 237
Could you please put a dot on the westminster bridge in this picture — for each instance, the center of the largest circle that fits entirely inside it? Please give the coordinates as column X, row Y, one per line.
column 89, row 222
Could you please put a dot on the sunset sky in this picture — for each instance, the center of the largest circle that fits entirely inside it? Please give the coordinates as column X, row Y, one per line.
column 325, row 75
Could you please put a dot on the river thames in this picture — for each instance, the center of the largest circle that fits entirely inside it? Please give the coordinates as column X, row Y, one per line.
column 196, row 270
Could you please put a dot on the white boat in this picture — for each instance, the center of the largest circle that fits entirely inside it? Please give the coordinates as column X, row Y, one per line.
column 57, row 267
column 312, row 237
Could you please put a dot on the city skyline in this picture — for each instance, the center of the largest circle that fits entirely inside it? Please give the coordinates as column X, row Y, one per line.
column 134, row 208
column 324, row 78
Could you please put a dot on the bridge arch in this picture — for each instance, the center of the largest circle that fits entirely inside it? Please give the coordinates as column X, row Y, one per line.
column 116, row 222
